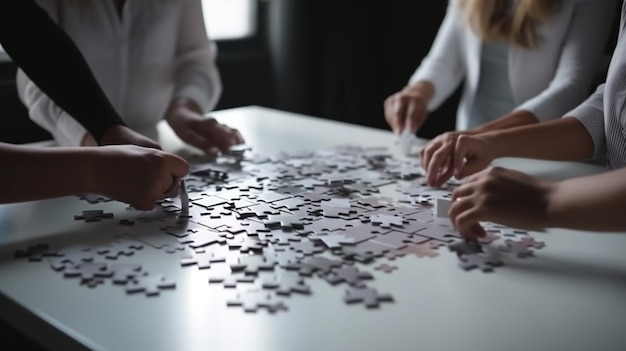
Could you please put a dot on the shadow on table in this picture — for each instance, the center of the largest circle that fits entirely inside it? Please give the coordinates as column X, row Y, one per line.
column 10, row 336
column 572, row 269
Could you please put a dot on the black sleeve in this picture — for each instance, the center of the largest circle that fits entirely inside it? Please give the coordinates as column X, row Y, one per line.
column 51, row 60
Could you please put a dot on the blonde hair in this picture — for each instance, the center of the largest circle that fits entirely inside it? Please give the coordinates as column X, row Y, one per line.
column 514, row 21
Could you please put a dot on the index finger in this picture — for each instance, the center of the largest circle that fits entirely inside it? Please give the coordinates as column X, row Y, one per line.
column 177, row 165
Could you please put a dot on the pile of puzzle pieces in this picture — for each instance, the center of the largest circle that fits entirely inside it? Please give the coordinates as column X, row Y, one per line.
column 277, row 221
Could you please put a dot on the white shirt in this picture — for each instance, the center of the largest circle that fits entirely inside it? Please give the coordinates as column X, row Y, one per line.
column 493, row 97
column 604, row 113
column 548, row 81
column 156, row 51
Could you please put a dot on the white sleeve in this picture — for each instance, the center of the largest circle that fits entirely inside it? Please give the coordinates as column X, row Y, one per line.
column 197, row 75
column 65, row 130
column 583, row 47
column 443, row 65
column 591, row 114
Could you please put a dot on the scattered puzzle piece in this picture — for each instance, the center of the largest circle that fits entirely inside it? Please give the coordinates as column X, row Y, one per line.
column 93, row 216
column 149, row 284
column 385, row 268
column 368, row 296
column 252, row 300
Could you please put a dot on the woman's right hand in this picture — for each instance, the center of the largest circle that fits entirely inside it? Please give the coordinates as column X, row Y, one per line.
column 139, row 176
column 408, row 108
column 454, row 154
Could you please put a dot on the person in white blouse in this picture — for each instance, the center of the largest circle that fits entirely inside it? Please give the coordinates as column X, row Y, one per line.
column 153, row 60
column 594, row 129
column 519, row 62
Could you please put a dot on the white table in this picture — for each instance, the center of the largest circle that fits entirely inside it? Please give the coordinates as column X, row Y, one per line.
column 571, row 296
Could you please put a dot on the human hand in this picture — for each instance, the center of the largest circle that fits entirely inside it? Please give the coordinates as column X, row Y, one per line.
column 119, row 135
column 407, row 108
column 136, row 175
column 501, row 196
column 203, row 132
column 455, row 154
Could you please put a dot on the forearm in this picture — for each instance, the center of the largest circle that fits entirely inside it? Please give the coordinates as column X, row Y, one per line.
column 423, row 87
column 180, row 107
column 31, row 173
column 565, row 139
column 514, row 119
column 596, row 203
column 28, row 35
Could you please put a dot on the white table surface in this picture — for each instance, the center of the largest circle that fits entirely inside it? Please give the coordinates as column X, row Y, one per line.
column 571, row 296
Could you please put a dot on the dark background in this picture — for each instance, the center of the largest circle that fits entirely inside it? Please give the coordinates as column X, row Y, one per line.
column 332, row 59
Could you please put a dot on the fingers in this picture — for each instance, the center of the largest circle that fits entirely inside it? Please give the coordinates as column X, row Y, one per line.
column 411, row 117
column 217, row 135
column 465, row 215
column 437, row 162
column 394, row 113
column 173, row 189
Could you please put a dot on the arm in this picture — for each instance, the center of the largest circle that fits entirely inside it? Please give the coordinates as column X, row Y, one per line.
column 593, row 203
column 198, row 87
column 197, row 77
column 516, row 118
column 565, row 139
column 579, row 135
column 136, row 175
column 28, row 34
column 442, row 67
column 580, row 55
column 65, row 130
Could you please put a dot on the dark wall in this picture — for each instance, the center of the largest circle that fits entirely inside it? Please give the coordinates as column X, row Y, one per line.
column 341, row 59
column 327, row 58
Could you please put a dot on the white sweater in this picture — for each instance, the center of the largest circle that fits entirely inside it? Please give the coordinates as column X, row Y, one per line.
column 158, row 50
column 548, row 81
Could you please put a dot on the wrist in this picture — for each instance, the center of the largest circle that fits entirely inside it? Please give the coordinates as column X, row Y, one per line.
column 498, row 142
column 87, row 170
column 422, row 88
column 554, row 205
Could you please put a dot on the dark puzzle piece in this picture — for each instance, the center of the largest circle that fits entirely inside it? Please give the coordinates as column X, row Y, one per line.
column 93, row 216
column 252, row 264
column 121, row 247
column 307, row 247
column 437, row 232
column 158, row 240
column 365, row 251
column 182, row 228
column 333, row 240
column 71, row 256
column 36, row 252
column 231, row 281
column 368, row 296
column 125, row 272
column 151, row 285
column 521, row 248
column 94, row 199
column 349, row 275
column 310, row 265
column 285, row 221
column 465, row 247
column 285, row 283
column 385, row 268
column 486, row 262
column 253, row 300
column 248, row 227
column 88, row 271
column 203, row 238
column 203, row 260
column 426, row 249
